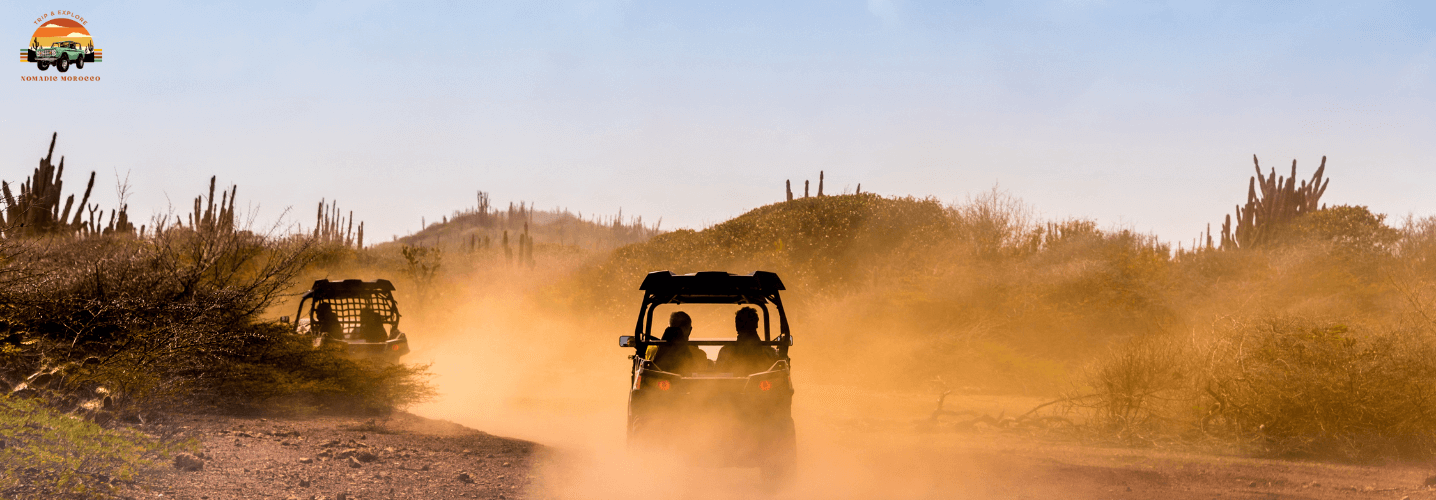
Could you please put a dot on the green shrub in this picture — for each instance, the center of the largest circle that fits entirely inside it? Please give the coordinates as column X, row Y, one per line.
column 46, row 454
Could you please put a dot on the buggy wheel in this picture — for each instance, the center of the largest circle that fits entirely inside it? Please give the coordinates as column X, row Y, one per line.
column 80, row 63
column 637, row 432
column 777, row 472
column 43, row 65
column 781, row 464
column 62, row 65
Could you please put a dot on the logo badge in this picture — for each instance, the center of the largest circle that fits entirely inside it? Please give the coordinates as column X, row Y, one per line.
column 61, row 42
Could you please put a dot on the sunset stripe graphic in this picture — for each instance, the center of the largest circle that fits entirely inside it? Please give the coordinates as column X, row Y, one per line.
column 25, row 55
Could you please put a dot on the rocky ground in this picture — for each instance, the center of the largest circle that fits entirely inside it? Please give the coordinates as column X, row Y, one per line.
column 403, row 456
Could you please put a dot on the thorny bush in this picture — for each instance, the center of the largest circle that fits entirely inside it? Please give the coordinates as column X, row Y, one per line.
column 1285, row 386
column 1299, row 387
column 166, row 321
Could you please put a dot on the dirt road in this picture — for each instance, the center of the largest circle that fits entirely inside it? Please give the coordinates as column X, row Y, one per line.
column 852, row 445
column 856, row 445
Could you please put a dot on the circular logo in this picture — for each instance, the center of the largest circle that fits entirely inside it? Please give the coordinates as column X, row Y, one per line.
column 765, row 385
column 663, row 385
column 61, row 43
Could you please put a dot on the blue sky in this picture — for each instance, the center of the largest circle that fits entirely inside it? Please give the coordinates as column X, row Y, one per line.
column 1136, row 114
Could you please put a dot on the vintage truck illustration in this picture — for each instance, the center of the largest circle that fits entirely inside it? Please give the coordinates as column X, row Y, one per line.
column 61, row 55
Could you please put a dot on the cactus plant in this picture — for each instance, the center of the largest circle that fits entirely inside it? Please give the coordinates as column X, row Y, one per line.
column 209, row 217
column 1279, row 201
column 36, row 211
column 332, row 227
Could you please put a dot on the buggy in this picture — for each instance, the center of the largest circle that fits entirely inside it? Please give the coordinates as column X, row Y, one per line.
column 358, row 317
column 714, row 419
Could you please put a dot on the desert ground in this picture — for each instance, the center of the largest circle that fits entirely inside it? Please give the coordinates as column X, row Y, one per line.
column 852, row 446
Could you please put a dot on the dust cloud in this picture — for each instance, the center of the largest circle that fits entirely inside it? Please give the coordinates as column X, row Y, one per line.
column 508, row 363
column 884, row 294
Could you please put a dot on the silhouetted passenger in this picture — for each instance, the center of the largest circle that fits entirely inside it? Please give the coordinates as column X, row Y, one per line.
column 371, row 326
column 748, row 355
column 328, row 321
column 678, row 356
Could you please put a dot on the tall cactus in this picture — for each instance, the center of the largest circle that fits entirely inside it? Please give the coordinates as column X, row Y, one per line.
column 209, row 217
column 508, row 252
column 1279, row 201
column 37, row 210
column 331, row 226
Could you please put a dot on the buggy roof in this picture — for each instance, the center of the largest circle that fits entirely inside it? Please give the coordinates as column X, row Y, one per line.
column 712, row 287
column 348, row 288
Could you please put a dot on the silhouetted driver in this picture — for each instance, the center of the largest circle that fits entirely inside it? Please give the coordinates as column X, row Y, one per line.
column 748, row 355
column 328, row 321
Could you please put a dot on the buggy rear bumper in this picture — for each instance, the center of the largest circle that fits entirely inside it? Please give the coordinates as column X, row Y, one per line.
column 359, row 348
column 714, row 420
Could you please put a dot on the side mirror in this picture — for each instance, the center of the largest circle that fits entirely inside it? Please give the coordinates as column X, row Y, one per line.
column 788, row 338
column 626, row 341
column 284, row 319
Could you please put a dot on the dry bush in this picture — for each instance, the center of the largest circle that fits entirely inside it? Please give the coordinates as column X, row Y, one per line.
column 1286, row 386
column 172, row 321
column 282, row 373
column 994, row 223
column 1297, row 386
column 1141, row 390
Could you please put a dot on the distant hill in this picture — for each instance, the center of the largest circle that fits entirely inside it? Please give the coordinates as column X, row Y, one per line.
column 483, row 226
column 819, row 242
column 978, row 291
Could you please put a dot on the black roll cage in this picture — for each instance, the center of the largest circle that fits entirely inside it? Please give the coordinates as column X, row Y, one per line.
column 378, row 291
column 759, row 288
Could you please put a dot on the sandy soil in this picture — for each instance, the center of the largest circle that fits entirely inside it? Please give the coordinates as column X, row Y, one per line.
column 399, row 457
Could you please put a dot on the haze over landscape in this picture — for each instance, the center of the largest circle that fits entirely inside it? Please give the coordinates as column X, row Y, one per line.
column 1010, row 307
column 1131, row 113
